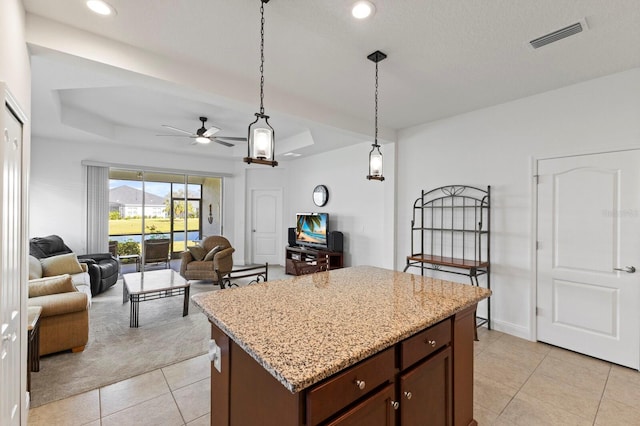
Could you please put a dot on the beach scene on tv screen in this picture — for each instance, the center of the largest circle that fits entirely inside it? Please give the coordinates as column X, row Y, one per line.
column 312, row 229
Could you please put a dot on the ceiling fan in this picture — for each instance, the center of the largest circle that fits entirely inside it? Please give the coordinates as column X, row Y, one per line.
column 204, row 135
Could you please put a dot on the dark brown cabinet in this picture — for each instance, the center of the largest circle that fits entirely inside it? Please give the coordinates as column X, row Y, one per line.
column 425, row 392
column 308, row 254
column 376, row 410
column 410, row 383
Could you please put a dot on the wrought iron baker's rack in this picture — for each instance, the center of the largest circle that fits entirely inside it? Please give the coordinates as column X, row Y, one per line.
column 450, row 232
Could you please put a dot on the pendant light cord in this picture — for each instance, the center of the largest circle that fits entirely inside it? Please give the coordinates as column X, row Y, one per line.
column 375, row 139
column 262, row 57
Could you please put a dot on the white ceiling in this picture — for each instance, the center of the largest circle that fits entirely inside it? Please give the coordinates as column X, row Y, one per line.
column 445, row 57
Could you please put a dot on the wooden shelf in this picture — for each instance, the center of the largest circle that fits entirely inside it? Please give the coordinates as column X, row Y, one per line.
column 447, row 261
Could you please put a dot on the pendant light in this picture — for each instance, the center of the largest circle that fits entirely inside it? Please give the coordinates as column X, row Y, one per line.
column 261, row 136
column 375, row 156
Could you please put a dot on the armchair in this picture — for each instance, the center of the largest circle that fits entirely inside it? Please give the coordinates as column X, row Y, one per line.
column 212, row 261
column 103, row 268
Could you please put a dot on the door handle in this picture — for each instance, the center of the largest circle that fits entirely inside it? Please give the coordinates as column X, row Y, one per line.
column 628, row 269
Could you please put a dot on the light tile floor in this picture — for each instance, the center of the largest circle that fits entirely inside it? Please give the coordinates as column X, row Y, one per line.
column 517, row 382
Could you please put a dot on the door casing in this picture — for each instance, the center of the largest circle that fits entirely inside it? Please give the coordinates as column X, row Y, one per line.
column 534, row 227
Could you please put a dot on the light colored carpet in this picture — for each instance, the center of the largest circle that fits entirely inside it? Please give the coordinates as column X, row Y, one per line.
column 116, row 352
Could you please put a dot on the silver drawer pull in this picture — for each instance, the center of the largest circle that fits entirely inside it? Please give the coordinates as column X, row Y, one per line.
column 408, row 395
column 431, row 343
column 395, row 404
column 360, row 384
column 627, row 269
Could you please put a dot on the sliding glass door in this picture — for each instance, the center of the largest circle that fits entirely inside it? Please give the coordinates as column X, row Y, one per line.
column 149, row 205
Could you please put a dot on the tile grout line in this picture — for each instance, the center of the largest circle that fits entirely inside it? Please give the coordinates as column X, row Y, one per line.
column 100, row 404
column 562, row 408
column 173, row 397
column 604, row 388
column 522, row 386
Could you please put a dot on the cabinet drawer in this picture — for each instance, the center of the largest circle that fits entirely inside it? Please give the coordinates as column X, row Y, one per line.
column 425, row 343
column 376, row 410
column 337, row 392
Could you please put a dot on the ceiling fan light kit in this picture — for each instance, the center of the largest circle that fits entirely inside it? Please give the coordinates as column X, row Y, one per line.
column 201, row 138
column 261, row 135
column 375, row 156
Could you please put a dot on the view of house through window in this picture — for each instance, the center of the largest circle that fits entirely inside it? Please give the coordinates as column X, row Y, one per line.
column 161, row 206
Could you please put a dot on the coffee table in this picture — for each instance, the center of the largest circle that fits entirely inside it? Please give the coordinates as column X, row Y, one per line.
column 151, row 285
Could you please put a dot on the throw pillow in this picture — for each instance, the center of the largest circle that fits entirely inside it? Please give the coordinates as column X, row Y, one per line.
column 51, row 285
column 62, row 264
column 35, row 268
column 198, row 252
column 213, row 252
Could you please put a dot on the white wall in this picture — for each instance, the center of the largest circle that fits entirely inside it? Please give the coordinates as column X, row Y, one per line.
column 495, row 146
column 362, row 210
column 58, row 183
column 15, row 69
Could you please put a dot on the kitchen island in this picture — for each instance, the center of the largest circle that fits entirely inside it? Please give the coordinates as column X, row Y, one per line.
column 360, row 345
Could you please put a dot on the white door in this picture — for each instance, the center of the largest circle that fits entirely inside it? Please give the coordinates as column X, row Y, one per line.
column 11, row 333
column 266, row 226
column 588, row 289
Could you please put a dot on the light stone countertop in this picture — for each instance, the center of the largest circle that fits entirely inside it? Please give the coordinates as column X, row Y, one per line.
column 305, row 329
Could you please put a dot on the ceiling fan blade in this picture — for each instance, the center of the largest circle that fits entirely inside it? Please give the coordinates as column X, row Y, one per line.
column 177, row 136
column 232, row 138
column 222, row 142
column 177, row 130
column 211, row 131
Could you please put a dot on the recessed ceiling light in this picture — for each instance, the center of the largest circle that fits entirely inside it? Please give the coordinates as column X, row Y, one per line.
column 100, row 7
column 291, row 154
column 363, row 9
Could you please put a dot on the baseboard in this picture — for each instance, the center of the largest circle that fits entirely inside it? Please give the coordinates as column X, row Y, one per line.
column 512, row 329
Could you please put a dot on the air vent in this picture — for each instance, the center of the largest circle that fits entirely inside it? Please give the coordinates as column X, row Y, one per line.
column 557, row 35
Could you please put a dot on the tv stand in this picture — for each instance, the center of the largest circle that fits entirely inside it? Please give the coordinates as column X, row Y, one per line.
column 294, row 253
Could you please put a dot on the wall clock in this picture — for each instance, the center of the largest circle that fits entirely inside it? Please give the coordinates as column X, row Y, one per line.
column 320, row 195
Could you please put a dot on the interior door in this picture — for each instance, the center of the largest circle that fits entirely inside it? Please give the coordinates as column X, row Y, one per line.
column 588, row 288
column 266, row 226
column 11, row 249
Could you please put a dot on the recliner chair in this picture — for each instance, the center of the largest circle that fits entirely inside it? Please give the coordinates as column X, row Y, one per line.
column 103, row 268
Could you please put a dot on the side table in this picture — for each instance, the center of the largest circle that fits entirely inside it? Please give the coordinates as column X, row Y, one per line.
column 33, row 342
column 136, row 257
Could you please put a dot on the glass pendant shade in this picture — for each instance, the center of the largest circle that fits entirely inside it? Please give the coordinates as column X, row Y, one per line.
column 375, row 164
column 261, row 142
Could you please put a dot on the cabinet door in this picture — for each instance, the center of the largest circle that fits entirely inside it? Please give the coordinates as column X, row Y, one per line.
column 376, row 410
column 425, row 392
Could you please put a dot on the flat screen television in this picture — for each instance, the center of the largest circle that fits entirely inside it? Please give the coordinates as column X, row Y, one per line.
column 311, row 229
